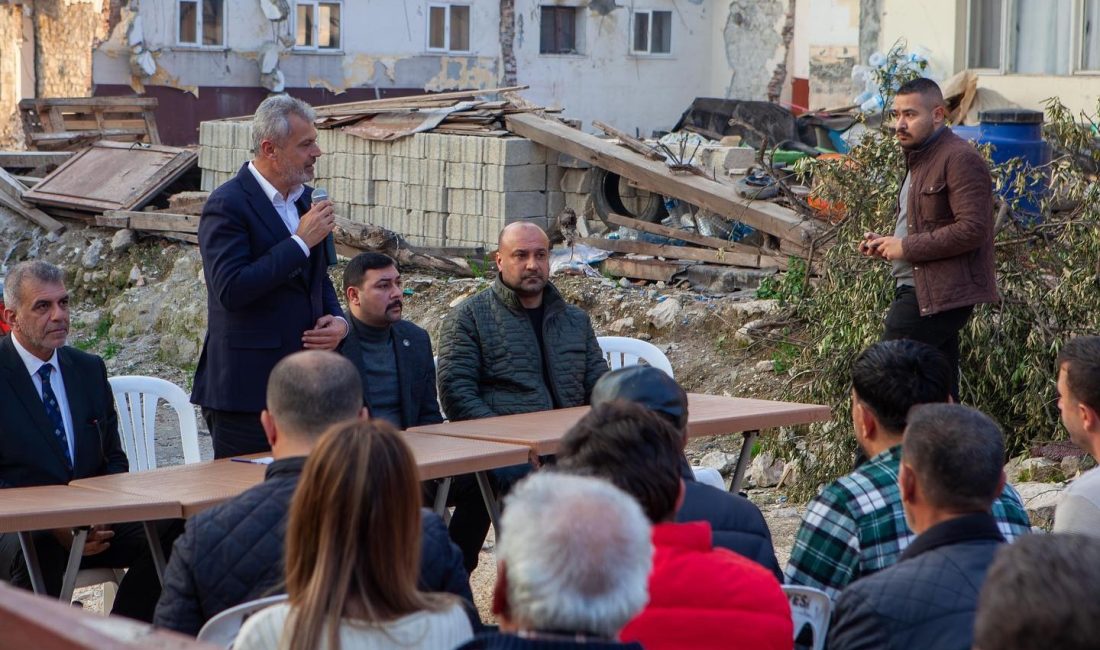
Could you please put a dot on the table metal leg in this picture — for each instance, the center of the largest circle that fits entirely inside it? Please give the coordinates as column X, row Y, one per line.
column 30, row 556
column 154, row 547
column 490, row 501
column 68, row 583
column 443, row 490
column 743, row 460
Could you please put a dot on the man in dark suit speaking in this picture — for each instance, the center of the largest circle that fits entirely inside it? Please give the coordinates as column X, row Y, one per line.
column 265, row 258
column 58, row 424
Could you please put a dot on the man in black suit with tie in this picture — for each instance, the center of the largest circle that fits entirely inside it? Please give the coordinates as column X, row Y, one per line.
column 393, row 356
column 265, row 258
column 58, row 424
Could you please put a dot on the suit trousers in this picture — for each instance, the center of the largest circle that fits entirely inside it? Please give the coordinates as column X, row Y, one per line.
column 140, row 588
column 235, row 433
column 941, row 330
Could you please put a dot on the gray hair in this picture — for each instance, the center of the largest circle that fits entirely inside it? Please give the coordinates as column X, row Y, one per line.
column 271, row 121
column 310, row 391
column 44, row 272
column 576, row 552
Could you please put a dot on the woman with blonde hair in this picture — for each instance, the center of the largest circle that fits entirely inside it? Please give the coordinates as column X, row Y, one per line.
column 353, row 552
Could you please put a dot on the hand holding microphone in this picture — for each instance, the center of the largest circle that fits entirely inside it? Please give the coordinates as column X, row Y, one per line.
column 317, row 224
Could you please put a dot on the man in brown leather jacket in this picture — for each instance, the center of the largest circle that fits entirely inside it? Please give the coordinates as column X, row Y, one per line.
column 942, row 247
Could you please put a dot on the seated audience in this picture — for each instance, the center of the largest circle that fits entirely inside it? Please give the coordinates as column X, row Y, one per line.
column 352, row 550
column 572, row 567
column 232, row 553
column 1079, row 401
column 856, row 525
column 516, row 347
column 736, row 523
column 952, row 468
column 58, row 424
column 1042, row 593
column 699, row 596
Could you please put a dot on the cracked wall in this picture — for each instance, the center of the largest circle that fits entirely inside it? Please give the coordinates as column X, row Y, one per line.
column 67, row 32
column 753, row 46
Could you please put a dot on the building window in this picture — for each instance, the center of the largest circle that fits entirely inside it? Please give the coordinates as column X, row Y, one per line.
column 1051, row 37
column 317, row 25
column 652, row 32
column 449, row 28
column 201, row 22
column 558, row 29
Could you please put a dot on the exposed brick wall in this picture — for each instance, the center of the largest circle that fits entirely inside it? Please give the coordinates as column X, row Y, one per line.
column 11, row 19
column 67, row 32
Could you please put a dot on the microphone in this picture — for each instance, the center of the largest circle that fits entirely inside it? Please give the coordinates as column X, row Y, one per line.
column 321, row 194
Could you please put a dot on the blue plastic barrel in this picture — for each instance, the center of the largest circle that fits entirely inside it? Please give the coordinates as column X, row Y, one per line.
column 1014, row 133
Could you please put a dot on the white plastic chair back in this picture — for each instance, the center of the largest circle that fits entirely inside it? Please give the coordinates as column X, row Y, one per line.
column 709, row 476
column 136, row 399
column 810, row 607
column 223, row 628
column 623, row 351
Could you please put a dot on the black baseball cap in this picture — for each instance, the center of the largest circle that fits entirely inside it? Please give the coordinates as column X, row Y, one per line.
column 646, row 386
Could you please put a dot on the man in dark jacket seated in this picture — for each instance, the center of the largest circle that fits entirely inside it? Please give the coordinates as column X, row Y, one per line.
column 736, row 523
column 951, row 472
column 572, row 569
column 233, row 553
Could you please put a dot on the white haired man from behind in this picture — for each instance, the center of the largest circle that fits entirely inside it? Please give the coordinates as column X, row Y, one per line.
column 573, row 565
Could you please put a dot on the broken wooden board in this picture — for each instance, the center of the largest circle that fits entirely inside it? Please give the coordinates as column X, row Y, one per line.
column 149, row 221
column 683, row 235
column 32, row 159
column 654, row 270
column 112, row 176
column 703, row 192
column 31, row 213
column 629, row 142
column 685, row 253
column 64, row 122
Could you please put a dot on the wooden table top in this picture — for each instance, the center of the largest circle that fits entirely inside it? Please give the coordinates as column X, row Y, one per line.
column 707, row 415
column 65, row 506
column 194, row 487
column 441, row 456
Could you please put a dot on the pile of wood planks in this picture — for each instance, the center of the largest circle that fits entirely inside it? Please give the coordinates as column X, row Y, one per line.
column 69, row 123
column 457, row 113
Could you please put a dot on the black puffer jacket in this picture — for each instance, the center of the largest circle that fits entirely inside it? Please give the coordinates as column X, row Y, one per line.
column 928, row 599
column 736, row 522
column 489, row 361
column 233, row 553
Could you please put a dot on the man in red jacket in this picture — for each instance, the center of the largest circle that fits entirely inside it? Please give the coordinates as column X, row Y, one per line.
column 700, row 597
column 941, row 251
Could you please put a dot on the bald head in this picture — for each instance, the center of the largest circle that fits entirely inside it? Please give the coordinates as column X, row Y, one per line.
column 523, row 258
column 310, row 391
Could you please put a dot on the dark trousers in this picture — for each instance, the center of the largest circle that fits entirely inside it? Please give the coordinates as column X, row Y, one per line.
column 235, row 433
column 470, row 520
column 139, row 590
column 941, row 330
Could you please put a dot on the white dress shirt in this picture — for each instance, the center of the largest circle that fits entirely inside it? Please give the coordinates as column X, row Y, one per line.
column 284, row 205
column 33, row 363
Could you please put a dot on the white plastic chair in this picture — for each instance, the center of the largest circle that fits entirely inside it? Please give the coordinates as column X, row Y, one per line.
column 223, row 628
column 810, row 607
column 136, row 399
column 623, row 351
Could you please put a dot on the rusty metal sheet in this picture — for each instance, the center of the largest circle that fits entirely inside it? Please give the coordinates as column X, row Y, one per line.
column 399, row 124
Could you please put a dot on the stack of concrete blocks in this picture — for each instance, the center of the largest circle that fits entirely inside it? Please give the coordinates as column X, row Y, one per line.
column 434, row 189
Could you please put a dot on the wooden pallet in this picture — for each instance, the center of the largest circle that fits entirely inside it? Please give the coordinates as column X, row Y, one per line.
column 71, row 123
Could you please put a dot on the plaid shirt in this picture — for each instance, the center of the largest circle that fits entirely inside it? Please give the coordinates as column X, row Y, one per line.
column 856, row 526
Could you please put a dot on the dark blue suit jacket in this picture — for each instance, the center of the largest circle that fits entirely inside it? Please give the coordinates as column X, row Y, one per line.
column 262, row 294
column 30, row 454
column 415, row 372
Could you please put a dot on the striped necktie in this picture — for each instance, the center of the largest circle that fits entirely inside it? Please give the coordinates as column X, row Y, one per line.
column 53, row 411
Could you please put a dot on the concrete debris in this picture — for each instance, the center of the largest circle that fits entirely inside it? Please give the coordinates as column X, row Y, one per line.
column 122, row 240
column 719, row 460
column 1040, row 500
column 665, row 314
column 275, row 10
column 1040, row 470
column 765, row 470
column 92, row 254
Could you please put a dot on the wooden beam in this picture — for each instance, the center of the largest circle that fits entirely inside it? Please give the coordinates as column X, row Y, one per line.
column 629, row 141
column 348, row 107
column 28, row 212
column 654, row 270
column 154, row 221
column 682, row 235
column 11, row 186
column 756, row 261
column 32, row 159
column 703, row 192
column 115, row 101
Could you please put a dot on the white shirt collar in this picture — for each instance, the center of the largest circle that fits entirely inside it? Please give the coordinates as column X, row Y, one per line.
column 32, row 362
column 273, row 194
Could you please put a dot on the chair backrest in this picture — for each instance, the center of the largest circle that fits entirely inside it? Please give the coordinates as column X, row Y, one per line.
column 810, row 608
column 624, row 351
column 223, row 628
column 136, row 399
